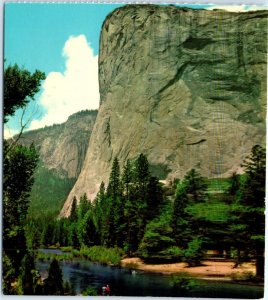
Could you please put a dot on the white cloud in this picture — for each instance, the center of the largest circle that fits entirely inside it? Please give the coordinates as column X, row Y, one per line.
column 75, row 89
column 238, row 8
column 9, row 133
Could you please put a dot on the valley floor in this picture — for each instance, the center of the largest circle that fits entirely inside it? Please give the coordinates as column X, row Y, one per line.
column 209, row 269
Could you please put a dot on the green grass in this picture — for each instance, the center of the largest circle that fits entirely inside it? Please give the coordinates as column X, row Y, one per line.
column 214, row 212
column 67, row 249
column 110, row 256
column 50, row 256
column 218, row 184
column 89, row 291
column 100, row 254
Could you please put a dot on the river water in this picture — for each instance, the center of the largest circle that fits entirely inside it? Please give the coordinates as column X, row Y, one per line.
column 125, row 282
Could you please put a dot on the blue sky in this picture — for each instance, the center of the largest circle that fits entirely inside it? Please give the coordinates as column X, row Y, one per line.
column 35, row 33
column 61, row 40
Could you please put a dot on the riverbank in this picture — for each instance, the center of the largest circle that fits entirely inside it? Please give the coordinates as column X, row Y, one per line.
column 222, row 270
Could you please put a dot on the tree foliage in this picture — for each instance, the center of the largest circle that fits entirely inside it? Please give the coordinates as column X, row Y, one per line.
column 54, row 282
column 20, row 86
column 19, row 164
column 189, row 230
column 248, row 219
column 158, row 242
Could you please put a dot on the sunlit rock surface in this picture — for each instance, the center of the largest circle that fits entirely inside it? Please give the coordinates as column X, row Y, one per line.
column 185, row 87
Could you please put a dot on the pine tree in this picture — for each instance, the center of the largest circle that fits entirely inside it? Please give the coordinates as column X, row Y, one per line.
column 73, row 235
column 142, row 173
column 47, row 234
column 154, row 198
column 233, row 189
column 83, row 207
column 188, row 228
column 116, row 204
column 33, row 234
column 19, row 165
column 87, row 230
column 27, row 279
column 73, row 215
column 114, row 188
column 248, row 219
column 158, row 242
column 141, row 177
column 181, row 218
column 196, row 186
column 127, row 177
column 54, row 282
column 100, row 213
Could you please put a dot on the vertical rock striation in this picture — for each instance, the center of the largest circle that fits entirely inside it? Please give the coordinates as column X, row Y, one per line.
column 186, row 87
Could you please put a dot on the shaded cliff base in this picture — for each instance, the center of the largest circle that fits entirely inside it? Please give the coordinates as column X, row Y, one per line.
column 216, row 270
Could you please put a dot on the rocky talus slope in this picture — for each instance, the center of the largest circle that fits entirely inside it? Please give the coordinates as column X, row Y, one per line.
column 185, row 87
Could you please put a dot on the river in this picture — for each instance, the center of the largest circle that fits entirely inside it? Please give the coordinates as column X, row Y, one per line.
column 125, row 282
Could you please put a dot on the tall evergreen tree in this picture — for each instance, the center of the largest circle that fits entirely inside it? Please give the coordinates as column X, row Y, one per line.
column 73, row 239
column 181, row 218
column 158, row 242
column 114, row 187
column 134, row 223
column 54, row 283
column 234, row 186
column 142, row 173
column 116, row 204
column 47, row 234
column 73, row 215
column 27, row 279
column 84, row 206
column 196, row 186
column 19, row 166
column 127, row 177
column 87, row 233
column 141, row 177
column 154, row 198
column 101, row 213
column 248, row 217
column 191, row 190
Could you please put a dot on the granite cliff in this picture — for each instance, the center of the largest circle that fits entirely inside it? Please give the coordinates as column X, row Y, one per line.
column 185, row 87
column 62, row 149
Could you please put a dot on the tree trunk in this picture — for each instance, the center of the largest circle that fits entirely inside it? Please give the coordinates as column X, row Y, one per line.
column 260, row 266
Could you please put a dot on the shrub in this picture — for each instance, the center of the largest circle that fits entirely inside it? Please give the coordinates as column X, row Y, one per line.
column 183, row 283
column 66, row 249
column 111, row 256
column 67, row 288
column 89, row 291
column 247, row 276
column 194, row 253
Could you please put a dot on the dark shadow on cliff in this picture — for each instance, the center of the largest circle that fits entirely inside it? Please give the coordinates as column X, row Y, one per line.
column 161, row 171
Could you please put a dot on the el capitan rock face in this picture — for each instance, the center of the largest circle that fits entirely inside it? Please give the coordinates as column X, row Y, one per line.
column 185, row 87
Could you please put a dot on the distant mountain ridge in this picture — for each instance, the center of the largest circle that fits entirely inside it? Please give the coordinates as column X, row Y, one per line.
column 62, row 149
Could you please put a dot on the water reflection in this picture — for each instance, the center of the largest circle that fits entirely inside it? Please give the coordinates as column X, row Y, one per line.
column 124, row 282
